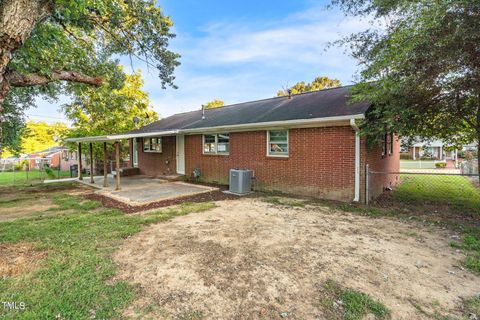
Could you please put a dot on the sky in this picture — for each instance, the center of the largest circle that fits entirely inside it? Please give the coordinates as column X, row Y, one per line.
column 241, row 51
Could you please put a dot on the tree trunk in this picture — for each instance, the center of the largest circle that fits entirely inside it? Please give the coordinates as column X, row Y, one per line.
column 478, row 139
column 17, row 20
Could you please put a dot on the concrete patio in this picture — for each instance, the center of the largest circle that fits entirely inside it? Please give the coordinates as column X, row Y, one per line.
column 141, row 190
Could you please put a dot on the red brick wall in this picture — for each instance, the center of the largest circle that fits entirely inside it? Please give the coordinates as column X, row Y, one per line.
column 320, row 163
column 158, row 164
column 389, row 163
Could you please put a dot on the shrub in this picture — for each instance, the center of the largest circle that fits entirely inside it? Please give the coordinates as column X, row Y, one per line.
column 21, row 165
column 427, row 157
column 440, row 165
column 405, row 156
column 49, row 171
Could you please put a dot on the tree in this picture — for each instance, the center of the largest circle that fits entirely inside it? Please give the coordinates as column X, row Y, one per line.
column 319, row 83
column 216, row 103
column 49, row 47
column 105, row 110
column 422, row 71
column 37, row 136
column 41, row 135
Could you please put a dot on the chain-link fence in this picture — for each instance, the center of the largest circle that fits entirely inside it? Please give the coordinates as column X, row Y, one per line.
column 469, row 167
column 428, row 190
column 34, row 170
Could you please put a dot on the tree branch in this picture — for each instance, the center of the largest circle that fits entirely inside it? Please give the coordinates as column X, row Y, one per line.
column 17, row 79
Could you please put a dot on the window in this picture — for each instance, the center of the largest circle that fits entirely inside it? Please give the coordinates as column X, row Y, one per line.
column 384, row 145
column 390, row 151
column 152, row 145
column 277, row 143
column 209, row 143
column 216, row 143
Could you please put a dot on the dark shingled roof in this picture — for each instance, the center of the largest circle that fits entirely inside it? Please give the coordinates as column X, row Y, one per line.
column 318, row 104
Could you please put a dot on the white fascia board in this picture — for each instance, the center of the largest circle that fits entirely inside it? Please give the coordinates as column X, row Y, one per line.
column 272, row 124
column 235, row 127
column 118, row 137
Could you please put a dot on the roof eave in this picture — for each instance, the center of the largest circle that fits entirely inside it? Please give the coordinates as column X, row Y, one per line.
column 239, row 127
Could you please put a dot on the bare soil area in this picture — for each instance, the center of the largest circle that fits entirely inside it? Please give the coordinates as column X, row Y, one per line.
column 26, row 202
column 249, row 259
column 18, row 258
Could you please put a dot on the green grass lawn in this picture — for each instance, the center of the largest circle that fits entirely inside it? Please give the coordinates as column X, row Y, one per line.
column 27, row 177
column 455, row 191
column 442, row 192
column 417, row 164
column 78, row 237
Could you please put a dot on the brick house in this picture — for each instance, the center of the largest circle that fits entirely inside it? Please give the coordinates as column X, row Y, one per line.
column 305, row 144
column 55, row 157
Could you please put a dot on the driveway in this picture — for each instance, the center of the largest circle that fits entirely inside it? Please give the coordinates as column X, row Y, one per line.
column 249, row 259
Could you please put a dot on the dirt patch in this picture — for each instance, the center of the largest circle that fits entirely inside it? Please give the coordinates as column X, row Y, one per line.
column 19, row 258
column 125, row 207
column 34, row 201
column 248, row 259
column 19, row 206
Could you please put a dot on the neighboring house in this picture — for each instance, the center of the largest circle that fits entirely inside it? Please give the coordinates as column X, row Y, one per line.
column 306, row 144
column 435, row 150
column 54, row 157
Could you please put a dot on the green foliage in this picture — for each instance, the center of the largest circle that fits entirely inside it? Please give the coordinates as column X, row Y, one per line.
column 75, row 280
column 440, row 165
column 38, row 136
column 319, row 83
column 470, row 243
column 349, row 304
column 216, row 103
column 87, row 36
column 21, row 165
column 472, row 305
column 49, row 172
column 421, row 72
column 105, row 110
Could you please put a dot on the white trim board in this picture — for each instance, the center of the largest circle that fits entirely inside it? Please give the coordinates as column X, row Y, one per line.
column 287, row 124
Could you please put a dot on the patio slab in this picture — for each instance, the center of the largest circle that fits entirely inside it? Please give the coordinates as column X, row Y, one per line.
column 141, row 190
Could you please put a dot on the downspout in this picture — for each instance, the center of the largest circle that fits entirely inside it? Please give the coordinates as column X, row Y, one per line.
column 357, row 160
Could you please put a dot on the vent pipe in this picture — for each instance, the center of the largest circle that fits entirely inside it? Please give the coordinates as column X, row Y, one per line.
column 203, row 112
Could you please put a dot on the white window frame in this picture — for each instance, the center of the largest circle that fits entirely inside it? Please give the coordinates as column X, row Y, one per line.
column 216, row 152
column 268, row 145
column 150, row 143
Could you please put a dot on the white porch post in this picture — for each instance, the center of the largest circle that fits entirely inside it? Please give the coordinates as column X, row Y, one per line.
column 414, row 153
column 117, row 167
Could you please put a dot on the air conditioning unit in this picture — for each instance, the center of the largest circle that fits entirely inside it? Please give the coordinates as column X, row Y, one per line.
column 240, row 181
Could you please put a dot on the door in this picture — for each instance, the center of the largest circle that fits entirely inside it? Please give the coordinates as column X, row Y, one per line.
column 180, row 154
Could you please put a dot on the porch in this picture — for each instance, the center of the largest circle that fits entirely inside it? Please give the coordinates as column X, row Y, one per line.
column 160, row 155
column 141, row 190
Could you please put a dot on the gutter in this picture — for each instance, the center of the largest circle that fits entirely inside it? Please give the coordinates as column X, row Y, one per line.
column 117, row 137
column 357, row 160
column 235, row 127
column 270, row 124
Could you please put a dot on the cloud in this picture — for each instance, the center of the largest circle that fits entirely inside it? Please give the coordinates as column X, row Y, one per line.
column 301, row 38
column 246, row 60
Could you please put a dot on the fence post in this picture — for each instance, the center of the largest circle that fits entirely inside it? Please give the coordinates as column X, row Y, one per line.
column 366, row 183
